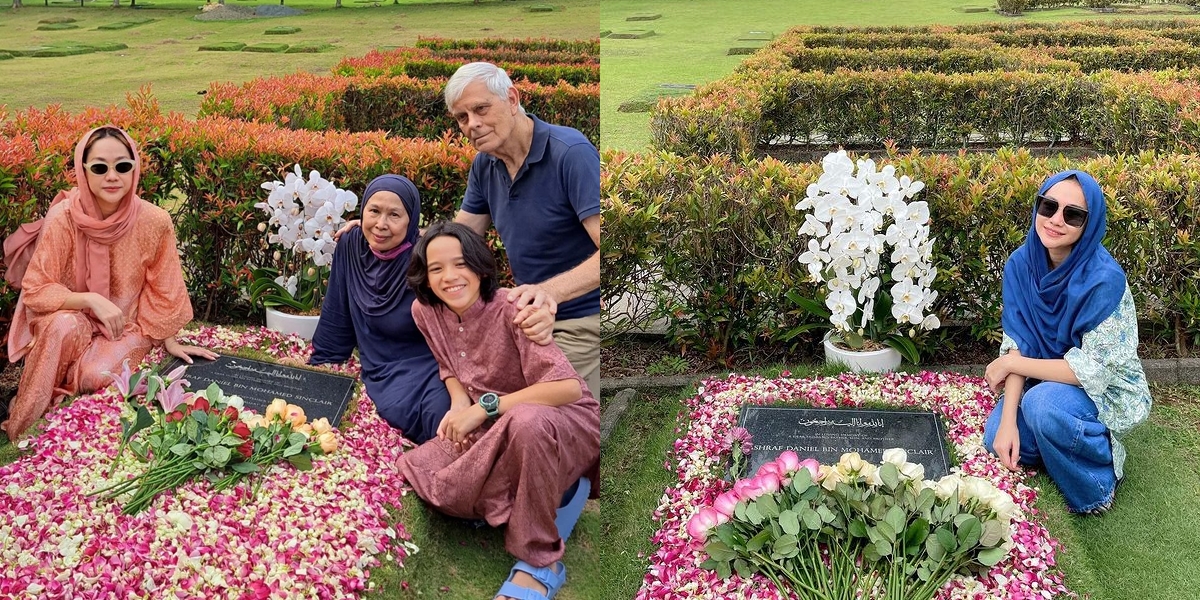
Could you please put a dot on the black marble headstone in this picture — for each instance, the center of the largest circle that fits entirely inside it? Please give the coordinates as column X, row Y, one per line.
column 258, row 383
column 825, row 434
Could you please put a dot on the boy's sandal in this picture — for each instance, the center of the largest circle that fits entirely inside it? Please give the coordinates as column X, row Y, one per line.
column 544, row 575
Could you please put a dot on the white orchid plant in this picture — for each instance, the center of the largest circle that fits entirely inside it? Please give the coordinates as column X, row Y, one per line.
column 870, row 246
column 303, row 215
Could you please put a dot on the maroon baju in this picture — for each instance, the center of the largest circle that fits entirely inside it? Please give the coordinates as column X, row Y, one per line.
column 517, row 471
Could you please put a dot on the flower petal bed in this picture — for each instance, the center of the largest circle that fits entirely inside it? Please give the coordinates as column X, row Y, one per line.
column 703, row 451
column 313, row 534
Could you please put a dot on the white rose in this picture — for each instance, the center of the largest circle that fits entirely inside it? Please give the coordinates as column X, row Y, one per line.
column 896, row 456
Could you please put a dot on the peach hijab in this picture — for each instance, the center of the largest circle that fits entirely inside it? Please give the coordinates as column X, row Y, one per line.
column 94, row 234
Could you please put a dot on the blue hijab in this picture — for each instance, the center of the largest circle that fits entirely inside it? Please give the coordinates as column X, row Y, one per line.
column 378, row 285
column 1047, row 311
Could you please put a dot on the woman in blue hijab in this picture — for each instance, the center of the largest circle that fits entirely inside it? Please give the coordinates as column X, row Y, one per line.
column 369, row 306
column 1071, row 379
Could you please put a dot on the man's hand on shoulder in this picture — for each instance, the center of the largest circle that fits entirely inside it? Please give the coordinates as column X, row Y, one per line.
column 351, row 224
column 533, row 295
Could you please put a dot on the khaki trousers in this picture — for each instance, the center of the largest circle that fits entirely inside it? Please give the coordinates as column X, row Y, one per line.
column 579, row 339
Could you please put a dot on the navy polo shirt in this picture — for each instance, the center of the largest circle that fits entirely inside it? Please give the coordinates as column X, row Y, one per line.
column 539, row 214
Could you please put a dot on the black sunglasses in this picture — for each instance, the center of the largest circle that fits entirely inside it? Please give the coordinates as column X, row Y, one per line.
column 1072, row 215
column 100, row 168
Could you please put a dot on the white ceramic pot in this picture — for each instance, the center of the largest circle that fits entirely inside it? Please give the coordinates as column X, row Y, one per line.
column 874, row 361
column 302, row 325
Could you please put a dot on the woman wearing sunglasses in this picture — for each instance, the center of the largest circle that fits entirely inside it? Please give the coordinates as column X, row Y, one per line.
column 100, row 282
column 1071, row 379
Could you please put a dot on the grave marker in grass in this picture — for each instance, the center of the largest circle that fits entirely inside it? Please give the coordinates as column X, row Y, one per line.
column 540, row 8
column 57, row 26
column 644, row 17
column 282, row 30
column 123, row 24
column 223, row 47
column 631, row 34
column 268, row 48
column 309, row 48
column 645, row 100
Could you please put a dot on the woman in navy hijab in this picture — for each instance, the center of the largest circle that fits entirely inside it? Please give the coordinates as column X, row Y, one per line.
column 369, row 306
column 1071, row 379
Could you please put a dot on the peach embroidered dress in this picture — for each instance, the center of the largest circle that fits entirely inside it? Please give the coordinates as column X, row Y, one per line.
column 64, row 351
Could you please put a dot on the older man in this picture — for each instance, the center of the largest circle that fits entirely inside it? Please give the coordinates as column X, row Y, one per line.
column 540, row 185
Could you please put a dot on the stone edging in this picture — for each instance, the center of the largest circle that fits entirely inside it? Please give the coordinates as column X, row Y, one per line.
column 1162, row 370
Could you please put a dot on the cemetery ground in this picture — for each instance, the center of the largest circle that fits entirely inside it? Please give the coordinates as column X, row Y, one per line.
column 455, row 560
column 165, row 51
column 692, row 38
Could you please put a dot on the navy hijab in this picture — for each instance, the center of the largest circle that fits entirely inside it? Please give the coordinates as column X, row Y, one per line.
column 377, row 286
column 1047, row 311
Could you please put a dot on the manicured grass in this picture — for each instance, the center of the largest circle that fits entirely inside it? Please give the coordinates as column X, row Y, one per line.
column 163, row 53
column 692, row 39
column 1147, row 539
column 1149, row 535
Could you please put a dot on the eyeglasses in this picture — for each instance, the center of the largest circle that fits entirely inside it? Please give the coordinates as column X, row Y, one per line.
column 101, row 168
column 1072, row 215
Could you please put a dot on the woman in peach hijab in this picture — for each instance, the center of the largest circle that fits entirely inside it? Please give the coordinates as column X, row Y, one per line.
column 104, row 283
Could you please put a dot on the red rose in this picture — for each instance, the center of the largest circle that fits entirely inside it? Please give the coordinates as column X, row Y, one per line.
column 201, row 403
column 174, row 416
column 230, row 413
column 246, row 449
column 241, row 430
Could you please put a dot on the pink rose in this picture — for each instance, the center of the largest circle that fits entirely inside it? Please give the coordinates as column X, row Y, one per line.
column 788, row 462
column 769, row 483
column 814, row 468
column 725, row 503
column 701, row 523
column 769, row 467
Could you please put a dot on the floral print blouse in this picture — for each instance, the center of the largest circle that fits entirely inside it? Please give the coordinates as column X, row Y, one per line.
column 1109, row 370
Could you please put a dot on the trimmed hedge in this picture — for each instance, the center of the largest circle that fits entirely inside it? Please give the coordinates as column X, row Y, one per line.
column 402, row 106
column 423, row 64
column 1109, row 111
column 717, row 237
column 585, row 47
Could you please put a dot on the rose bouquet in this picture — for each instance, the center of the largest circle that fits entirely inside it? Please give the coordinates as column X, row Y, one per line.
column 206, row 434
column 302, row 218
column 871, row 248
column 854, row 529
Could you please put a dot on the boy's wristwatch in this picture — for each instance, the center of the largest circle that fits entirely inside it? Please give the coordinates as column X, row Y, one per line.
column 491, row 404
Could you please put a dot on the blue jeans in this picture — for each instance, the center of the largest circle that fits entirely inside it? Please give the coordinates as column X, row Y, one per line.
column 1059, row 430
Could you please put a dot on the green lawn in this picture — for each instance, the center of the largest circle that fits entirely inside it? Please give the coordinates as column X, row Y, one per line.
column 692, row 37
column 1148, row 539
column 165, row 52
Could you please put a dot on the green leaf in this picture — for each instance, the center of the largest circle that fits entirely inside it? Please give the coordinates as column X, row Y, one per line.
column 993, row 532
column 213, row 438
column 719, row 551
column 302, row 461
column 890, row 475
column 883, row 547
column 801, row 481
column 969, row 533
column 946, row 539
column 292, row 450
column 182, row 449
column 858, row 528
column 916, row 534
column 789, row 521
column 739, row 511
column 232, row 441
column 152, row 385
column 935, row 549
column 990, row 557
column 886, row 531
column 298, row 438
column 245, row 467
column 200, row 417
column 221, row 455
column 768, row 506
column 752, row 514
column 786, row 546
column 212, row 393
column 905, row 347
column 191, row 428
column 723, row 570
column 742, row 568
column 811, row 519
column 139, row 450
column 756, row 543
column 852, row 339
column 925, row 500
column 896, row 517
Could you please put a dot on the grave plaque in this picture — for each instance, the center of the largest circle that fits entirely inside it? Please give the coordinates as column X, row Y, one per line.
column 825, row 434
column 258, row 383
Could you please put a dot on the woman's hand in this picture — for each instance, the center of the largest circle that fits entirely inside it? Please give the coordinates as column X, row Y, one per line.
column 536, row 323
column 185, row 353
column 460, row 423
column 998, row 370
column 1008, row 446
column 112, row 320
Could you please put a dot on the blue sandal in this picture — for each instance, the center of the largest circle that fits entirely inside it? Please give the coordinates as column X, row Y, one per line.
column 544, row 575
